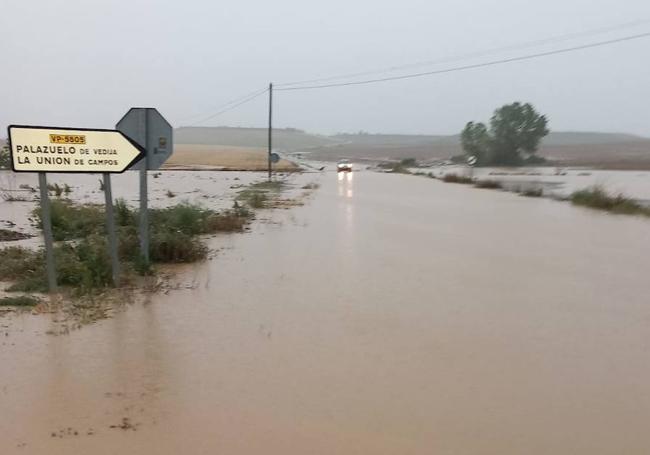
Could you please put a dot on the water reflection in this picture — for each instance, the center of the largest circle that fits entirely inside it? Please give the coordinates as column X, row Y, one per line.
column 346, row 188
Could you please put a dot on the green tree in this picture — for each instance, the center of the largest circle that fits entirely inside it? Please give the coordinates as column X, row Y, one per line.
column 475, row 140
column 515, row 133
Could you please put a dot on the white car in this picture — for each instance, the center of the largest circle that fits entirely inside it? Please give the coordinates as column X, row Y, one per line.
column 344, row 166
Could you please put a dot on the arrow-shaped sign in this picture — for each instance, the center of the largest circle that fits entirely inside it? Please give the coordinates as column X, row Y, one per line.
column 48, row 149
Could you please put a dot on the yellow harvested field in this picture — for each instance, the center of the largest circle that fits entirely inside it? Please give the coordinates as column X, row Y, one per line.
column 222, row 157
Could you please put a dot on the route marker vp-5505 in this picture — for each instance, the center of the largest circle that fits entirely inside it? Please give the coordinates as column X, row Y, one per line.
column 45, row 149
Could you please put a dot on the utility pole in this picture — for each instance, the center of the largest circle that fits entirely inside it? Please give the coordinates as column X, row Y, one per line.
column 270, row 126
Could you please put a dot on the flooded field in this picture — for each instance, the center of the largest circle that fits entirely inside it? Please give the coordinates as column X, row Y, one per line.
column 560, row 182
column 388, row 315
column 215, row 190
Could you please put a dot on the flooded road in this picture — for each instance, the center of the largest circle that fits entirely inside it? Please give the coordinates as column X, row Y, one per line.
column 389, row 315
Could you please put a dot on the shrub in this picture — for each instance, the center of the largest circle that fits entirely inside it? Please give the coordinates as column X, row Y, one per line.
column 597, row 197
column 169, row 246
column 124, row 216
column 71, row 221
column 454, row 178
column 489, row 184
column 22, row 300
column 532, row 192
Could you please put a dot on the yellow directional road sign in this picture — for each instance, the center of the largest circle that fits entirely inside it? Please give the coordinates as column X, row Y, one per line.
column 46, row 149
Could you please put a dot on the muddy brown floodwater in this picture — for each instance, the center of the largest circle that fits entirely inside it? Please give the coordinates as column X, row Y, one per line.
column 389, row 315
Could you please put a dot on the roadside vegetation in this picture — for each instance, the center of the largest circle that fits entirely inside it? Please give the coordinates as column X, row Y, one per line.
column 598, row 198
column 595, row 197
column 260, row 195
column 15, row 197
column 455, row 178
column 19, row 301
column 7, row 235
column 81, row 249
column 400, row 167
column 488, row 184
column 532, row 192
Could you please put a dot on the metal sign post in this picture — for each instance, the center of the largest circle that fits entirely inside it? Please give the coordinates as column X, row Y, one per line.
column 148, row 128
column 47, row 232
column 47, row 149
column 110, row 228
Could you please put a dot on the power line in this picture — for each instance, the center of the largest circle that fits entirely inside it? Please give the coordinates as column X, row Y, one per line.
column 223, row 111
column 512, row 47
column 221, row 107
column 474, row 66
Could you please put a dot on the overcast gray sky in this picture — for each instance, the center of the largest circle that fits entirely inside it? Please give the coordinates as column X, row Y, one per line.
column 85, row 62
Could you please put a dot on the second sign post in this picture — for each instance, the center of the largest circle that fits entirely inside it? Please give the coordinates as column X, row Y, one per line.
column 152, row 132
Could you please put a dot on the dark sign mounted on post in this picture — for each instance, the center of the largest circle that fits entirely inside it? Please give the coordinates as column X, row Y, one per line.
column 150, row 130
column 64, row 150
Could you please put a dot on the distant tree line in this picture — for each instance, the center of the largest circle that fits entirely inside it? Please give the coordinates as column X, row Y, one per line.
column 512, row 138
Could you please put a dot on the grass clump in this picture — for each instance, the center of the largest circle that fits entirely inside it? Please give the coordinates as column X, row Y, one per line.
column 22, row 300
column 598, row 198
column 455, row 178
column 275, row 185
column 7, row 235
column 18, row 263
column 84, row 266
column 311, row 186
column 11, row 197
column 82, row 257
column 400, row 167
column 257, row 194
column 253, row 198
column 488, row 184
column 532, row 192
column 70, row 221
column 175, row 247
column 57, row 189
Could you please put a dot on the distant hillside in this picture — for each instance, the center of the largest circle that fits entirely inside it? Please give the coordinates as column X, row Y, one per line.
column 288, row 139
column 582, row 138
column 605, row 150
column 395, row 139
column 554, row 138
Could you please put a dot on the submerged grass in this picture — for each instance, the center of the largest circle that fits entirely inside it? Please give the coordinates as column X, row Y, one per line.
column 84, row 266
column 13, row 197
column 260, row 195
column 21, row 300
column 598, row 198
column 532, row 192
column 488, row 184
column 7, row 235
column 455, row 178
column 81, row 254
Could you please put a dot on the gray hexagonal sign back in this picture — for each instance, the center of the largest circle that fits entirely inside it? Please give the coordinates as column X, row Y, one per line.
column 149, row 129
